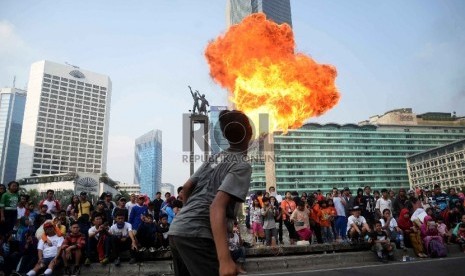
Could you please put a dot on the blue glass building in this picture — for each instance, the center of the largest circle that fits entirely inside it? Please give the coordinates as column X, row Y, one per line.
column 217, row 141
column 12, row 103
column 148, row 162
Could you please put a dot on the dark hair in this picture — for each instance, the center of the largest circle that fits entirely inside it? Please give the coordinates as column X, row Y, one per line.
column 235, row 126
column 300, row 203
column 11, row 183
column 177, row 203
column 120, row 214
column 384, row 191
column 74, row 222
column 386, row 210
column 265, row 199
column 378, row 222
column 50, row 191
column 158, row 193
column 148, row 215
column 179, row 189
column 259, row 193
column 164, row 216
column 167, row 193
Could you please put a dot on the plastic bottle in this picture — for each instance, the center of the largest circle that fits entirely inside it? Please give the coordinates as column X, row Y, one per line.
column 401, row 241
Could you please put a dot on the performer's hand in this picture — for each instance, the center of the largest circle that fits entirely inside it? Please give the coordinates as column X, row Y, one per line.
column 228, row 268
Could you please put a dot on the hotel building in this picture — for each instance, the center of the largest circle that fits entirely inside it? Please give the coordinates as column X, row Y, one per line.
column 66, row 120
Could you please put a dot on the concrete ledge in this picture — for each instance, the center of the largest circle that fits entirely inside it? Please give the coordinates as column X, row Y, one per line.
column 282, row 259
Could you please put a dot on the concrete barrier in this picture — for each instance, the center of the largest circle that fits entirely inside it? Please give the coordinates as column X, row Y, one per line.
column 262, row 260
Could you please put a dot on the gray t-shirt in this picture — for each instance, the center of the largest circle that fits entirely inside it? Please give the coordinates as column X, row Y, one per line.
column 227, row 171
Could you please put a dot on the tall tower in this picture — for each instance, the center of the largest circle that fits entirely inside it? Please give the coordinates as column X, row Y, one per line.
column 278, row 11
column 66, row 121
column 148, row 162
column 12, row 102
column 217, row 141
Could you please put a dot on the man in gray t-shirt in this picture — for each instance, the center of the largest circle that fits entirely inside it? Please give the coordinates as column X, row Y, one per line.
column 198, row 234
column 227, row 171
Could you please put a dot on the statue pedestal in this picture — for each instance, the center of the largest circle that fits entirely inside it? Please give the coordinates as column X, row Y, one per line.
column 201, row 142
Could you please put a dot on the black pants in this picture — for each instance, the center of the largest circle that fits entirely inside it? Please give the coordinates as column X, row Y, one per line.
column 118, row 246
column 194, row 256
column 280, row 230
column 290, row 228
column 10, row 220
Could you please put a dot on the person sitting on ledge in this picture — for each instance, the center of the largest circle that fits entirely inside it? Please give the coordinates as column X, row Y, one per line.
column 381, row 244
column 357, row 226
column 48, row 251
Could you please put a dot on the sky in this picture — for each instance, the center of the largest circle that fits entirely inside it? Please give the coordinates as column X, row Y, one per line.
column 388, row 54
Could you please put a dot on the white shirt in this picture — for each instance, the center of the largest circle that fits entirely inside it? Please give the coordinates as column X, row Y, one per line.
column 129, row 206
column 383, row 204
column 121, row 233
column 21, row 212
column 50, row 251
column 52, row 206
column 357, row 221
column 419, row 214
column 340, row 210
column 392, row 223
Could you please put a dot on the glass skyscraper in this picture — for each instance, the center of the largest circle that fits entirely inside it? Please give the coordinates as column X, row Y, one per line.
column 371, row 153
column 12, row 102
column 217, row 141
column 278, row 11
column 148, row 162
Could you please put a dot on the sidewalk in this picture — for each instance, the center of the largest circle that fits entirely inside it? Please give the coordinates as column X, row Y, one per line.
column 284, row 259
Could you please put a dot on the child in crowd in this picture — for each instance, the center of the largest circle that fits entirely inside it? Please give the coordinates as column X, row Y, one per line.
column 122, row 239
column 300, row 218
column 461, row 236
column 257, row 221
column 42, row 216
column 381, row 243
column 236, row 248
column 162, row 232
column 121, row 208
column 326, row 215
column 389, row 224
column 445, row 234
column 147, row 234
column 269, row 214
column 98, row 241
column 137, row 212
column 73, row 246
column 49, row 251
column 357, row 226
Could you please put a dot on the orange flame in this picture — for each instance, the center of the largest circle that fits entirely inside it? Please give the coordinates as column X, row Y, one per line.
column 256, row 62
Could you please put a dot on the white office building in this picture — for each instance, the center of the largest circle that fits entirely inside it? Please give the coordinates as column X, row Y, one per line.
column 66, row 120
column 278, row 11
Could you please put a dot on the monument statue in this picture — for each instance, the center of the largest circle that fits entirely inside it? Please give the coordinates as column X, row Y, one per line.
column 200, row 103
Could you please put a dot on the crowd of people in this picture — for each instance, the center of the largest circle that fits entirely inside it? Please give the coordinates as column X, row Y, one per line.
column 36, row 239
column 421, row 219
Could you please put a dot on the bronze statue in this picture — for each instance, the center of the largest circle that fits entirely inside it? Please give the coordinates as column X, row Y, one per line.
column 199, row 108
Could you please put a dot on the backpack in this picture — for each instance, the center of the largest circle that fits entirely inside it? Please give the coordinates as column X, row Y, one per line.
column 437, row 249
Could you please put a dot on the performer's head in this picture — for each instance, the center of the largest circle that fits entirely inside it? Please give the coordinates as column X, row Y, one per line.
column 236, row 128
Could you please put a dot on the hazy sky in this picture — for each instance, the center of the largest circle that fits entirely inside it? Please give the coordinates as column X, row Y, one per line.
column 388, row 54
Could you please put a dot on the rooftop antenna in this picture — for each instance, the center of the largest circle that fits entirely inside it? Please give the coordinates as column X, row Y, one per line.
column 77, row 67
column 14, row 81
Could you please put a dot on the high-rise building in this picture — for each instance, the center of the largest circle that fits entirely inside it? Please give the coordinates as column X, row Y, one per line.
column 66, row 120
column 217, row 141
column 148, row 162
column 372, row 152
column 12, row 102
column 167, row 188
column 444, row 165
column 278, row 11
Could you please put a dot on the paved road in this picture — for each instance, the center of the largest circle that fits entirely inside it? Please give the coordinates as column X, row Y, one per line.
column 452, row 266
